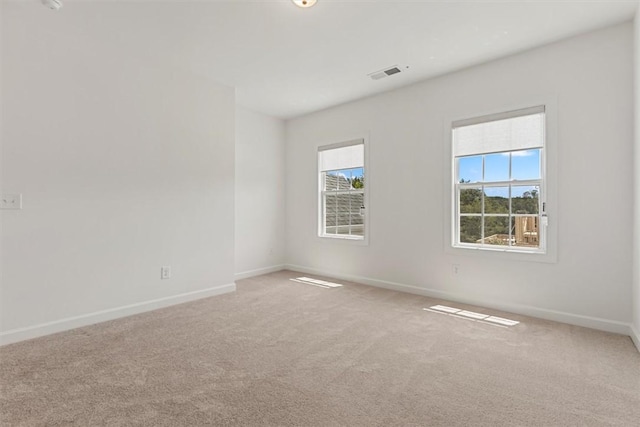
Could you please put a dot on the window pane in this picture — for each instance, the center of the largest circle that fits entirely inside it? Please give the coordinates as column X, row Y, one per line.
column 357, row 223
column 330, row 206
column 470, row 200
column 525, row 199
column 525, row 164
column 496, row 167
column 343, row 210
column 496, row 230
column 469, row 169
column 525, row 231
column 357, row 219
column 331, row 180
column 357, row 178
column 357, row 230
column 356, row 200
column 343, row 230
column 470, row 229
column 344, row 179
column 496, row 200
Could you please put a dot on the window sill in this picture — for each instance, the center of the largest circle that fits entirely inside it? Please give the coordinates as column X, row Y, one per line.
column 344, row 239
column 500, row 253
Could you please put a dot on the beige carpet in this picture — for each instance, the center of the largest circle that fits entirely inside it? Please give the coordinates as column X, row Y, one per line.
column 279, row 352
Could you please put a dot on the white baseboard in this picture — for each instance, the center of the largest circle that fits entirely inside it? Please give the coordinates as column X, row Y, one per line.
column 542, row 313
column 635, row 336
column 21, row 334
column 258, row 272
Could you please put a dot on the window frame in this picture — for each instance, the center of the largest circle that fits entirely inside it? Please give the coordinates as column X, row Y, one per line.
column 338, row 238
column 482, row 185
column 339, row 192
column 549, row 178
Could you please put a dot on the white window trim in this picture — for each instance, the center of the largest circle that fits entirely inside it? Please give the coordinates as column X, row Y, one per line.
column 550, row 182
column 341, row 239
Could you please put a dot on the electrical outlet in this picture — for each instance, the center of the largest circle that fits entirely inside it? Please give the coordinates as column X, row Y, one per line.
column 11, row 201
column 165, row 272
column 455, row 268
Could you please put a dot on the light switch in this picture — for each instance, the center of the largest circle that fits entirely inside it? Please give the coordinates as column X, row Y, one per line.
column 11, row 201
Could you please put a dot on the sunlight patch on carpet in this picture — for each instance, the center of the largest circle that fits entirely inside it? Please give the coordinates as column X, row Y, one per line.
column 472, row 315
column 316, row 282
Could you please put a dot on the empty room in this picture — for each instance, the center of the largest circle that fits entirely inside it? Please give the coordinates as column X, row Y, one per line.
column 319, row 213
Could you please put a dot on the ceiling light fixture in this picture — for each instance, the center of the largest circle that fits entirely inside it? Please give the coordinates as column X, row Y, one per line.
column 304, row 3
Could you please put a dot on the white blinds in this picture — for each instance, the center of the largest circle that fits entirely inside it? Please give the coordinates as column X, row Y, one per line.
column 516, row 130
column 341, row 156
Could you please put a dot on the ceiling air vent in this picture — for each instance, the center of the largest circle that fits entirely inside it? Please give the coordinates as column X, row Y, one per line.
column 385, row 73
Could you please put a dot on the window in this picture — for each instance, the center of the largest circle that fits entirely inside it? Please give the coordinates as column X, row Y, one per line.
column 499, row 182
column 342, row 190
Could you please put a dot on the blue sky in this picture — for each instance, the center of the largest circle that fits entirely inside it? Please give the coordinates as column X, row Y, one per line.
column 525, row 165
column 349, row 173
column 516, row 190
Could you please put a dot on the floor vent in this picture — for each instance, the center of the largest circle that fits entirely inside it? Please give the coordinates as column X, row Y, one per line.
column 316, row 282
column 471, row 315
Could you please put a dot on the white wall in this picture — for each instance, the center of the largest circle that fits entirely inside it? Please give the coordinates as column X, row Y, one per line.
column 636, row 253
column 124, row 166
column 259, row 229
column 590, row 79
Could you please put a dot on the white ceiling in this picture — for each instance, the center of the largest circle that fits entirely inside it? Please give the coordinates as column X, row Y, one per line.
column 286, row 61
